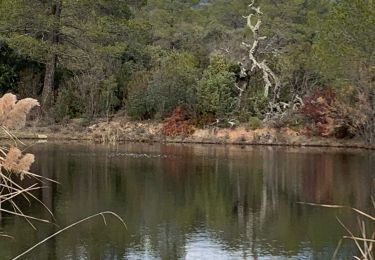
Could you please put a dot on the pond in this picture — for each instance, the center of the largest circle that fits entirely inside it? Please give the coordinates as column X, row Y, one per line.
column 193, row 201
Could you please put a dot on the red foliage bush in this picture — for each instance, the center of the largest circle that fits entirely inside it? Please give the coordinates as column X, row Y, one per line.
column 317, row 105
column 178, row 123
column 329, row 116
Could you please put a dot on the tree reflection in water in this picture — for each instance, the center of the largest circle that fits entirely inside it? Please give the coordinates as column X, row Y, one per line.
column 195, row 201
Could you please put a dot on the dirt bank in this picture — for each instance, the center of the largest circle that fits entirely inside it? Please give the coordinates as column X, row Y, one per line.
column 121, row 130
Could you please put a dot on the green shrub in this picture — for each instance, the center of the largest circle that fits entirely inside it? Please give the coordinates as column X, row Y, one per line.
column 254, row 123
column 167, row 86
column 7, row 78
column 138, row 104
column 68, row 104
column 108, row 97
column 215, row 89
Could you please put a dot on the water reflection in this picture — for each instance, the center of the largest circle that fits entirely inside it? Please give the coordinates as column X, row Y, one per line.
column 194, row 201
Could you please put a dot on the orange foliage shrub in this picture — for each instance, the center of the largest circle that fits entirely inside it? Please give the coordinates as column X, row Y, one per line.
column 178, row 123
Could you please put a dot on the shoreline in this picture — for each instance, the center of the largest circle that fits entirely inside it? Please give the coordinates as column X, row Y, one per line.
column 120, row 131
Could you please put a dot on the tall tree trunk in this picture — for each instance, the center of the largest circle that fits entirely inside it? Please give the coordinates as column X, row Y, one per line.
column 49, row 77
column 49, row 81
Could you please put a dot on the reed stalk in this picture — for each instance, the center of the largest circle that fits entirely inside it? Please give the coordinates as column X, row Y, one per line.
column 365, row 241
column 15, row 166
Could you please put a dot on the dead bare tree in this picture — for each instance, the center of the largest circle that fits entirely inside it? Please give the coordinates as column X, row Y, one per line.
column 272, row 83
column 270, row 79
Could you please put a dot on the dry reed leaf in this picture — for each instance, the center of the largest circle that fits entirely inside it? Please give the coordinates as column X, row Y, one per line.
column 364, row 244
column 7, row 103
column 102, row 214
column 16, row 117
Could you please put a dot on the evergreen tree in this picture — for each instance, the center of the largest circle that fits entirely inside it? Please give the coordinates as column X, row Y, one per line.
column 73, row 34
column 214, row 90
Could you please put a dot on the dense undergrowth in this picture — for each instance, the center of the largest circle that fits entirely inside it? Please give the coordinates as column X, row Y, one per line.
column 148, row 58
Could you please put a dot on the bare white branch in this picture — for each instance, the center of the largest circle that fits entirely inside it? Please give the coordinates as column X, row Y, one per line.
column 269, row 77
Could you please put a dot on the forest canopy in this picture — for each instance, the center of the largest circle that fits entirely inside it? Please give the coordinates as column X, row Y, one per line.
column 213, row 58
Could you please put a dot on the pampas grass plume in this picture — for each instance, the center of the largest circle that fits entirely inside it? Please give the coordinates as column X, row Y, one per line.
column 12, row 158
column 13, row 113
column 24, row 164
column 6, row 105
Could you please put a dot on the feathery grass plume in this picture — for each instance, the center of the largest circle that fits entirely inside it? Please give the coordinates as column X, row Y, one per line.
column 15, row 162
column 6, row 105
column 13, row 115
column 24, row 164
column 16, row 117
column 11, row 159
column 14, row 165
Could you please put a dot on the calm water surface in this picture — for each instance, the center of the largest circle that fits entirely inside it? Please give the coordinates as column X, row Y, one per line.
column 194, row 202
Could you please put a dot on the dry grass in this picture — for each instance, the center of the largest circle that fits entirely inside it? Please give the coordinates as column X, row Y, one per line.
column 365, row 239
column 101, row 214
column 12, row 113
column 15, row 167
